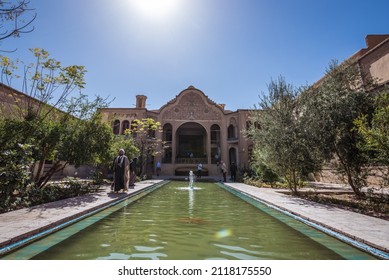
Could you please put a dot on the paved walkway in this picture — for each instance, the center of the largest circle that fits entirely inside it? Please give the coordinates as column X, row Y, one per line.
column 20, row 224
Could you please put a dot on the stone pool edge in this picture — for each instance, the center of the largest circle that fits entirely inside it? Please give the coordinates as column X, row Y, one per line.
column 353, row 240
column 26, row 238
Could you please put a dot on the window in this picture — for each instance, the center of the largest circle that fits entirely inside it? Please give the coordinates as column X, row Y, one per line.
column 134, row 127
column 167, row 132
column 231, row 132
column 215, row 134
column 116, row 127
column 215, row 144
column 125, row 125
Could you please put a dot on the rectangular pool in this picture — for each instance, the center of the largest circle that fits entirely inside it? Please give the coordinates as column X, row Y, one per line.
column 175, row 222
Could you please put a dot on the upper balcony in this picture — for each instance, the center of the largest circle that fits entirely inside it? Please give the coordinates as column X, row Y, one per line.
column 232, row 140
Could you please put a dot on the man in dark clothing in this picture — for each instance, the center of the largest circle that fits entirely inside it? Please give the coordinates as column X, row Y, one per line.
column 120, row 172
column 233, row 169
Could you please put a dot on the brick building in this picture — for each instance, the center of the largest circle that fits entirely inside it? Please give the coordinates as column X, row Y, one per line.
column 194, row 128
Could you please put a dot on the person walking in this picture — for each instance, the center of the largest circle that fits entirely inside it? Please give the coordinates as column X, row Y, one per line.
column 132, row 180
column 121, row 172
column 158, row 167
column 233, row 169
column 223, row 169
column 199, row 170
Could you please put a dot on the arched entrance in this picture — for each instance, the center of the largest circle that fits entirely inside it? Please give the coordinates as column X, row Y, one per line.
column 167, row 138
column 191, row 143
column 232, row 155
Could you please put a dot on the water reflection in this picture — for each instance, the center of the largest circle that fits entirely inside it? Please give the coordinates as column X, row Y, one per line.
column 206, row 222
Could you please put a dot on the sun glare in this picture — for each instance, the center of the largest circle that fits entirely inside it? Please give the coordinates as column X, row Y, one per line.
column 155, row 9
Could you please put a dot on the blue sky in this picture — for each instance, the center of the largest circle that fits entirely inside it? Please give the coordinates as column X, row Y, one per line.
column 229, row 49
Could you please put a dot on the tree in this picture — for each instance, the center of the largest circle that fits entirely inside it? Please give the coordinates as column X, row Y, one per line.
column 49, row 86
column 143, row 131
column 329, row 110
column 16, row 18
column 77, row 142
column 279, row 138
column 59, row 125
column 264, row 173
column 15, row 162
column 126, row 142
column 374, row 130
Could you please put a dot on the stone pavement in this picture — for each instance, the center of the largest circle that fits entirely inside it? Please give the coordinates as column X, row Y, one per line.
column 21, row 224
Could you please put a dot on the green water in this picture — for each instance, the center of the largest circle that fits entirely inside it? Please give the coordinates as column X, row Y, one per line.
column 174, row 222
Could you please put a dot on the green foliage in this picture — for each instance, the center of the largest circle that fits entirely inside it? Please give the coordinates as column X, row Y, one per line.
column 281, row 146
column 85, row 142
column 56, row 191
column 374, row 129
column 15, row 159
column 97, row 175
column 125, row 142
column 32, row 195
column 72, row 135
column 300, row 132
column 47, row 81
column 143, row 131
column 266, row 174
column 145, row 126
column 73, row 142
column 15, row 165
column 328, row 112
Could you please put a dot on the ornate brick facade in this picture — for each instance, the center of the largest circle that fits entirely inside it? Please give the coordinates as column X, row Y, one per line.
column 195, row 128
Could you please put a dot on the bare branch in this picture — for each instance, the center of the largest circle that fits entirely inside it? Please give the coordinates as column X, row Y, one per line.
column 10, row 18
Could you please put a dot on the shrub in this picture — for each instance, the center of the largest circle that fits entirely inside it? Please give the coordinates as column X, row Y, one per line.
column 14, row 172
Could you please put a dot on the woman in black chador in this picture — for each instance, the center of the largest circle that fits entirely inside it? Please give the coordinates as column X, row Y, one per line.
column 132, row 172
column 121, row 172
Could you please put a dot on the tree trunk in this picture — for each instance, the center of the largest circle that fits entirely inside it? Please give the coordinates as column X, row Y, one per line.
column 292, row 183
column 57, row 166
column 350, row 179
column 356, row 189
column 37, row 177
column 295, row 183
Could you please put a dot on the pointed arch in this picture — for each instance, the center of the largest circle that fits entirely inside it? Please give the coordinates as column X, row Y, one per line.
column 116, row 127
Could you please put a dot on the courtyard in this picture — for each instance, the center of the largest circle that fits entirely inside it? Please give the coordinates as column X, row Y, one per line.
column 367, row 233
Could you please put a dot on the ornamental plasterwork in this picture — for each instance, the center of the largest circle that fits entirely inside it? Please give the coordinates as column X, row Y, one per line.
column 125, row 116
column 191, row 106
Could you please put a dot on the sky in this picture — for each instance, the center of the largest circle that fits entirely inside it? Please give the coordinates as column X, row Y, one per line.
column 228, row 49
